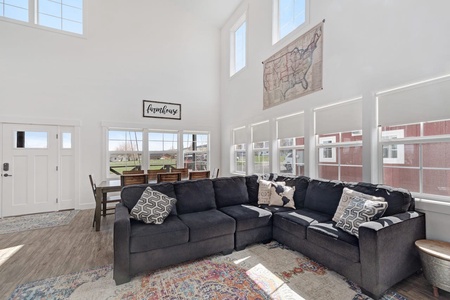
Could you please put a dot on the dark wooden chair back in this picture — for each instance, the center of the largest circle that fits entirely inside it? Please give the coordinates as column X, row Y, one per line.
column 168, row 177
column 152, row 174
column 129, row 179
column 199, row 174
column 184, row 172
column 133, row 172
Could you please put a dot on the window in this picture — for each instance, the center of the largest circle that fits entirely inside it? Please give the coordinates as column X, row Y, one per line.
column 239, row 151
column 163, row 150
column 339, row 141
column 290, row 132
column 420, row 163
column 31, row 140
column 63, row 15
column 67, row 140
column 238, row 46
column 288, row 15
column 260, row 143
column 125, row 151
column 196, row 151
column 415, row 146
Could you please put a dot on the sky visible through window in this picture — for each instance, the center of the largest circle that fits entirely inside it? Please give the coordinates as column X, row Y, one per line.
column 240, row 41
column 65, row 15
column 291, row 15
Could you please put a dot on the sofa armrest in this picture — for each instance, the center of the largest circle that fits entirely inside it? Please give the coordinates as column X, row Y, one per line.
column 387, row 251
column 122, row 231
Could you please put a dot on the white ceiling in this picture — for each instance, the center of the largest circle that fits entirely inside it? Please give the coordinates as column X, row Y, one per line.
column 215, row 12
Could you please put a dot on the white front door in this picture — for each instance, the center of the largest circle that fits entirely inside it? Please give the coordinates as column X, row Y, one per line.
column 29, row 169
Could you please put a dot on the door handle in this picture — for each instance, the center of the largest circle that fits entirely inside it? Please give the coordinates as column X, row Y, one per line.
column 7, row 175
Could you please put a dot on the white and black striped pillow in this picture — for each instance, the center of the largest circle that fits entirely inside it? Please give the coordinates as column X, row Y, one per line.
column 152, row 207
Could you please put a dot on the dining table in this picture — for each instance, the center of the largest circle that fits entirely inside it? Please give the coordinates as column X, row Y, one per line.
column 101, row 193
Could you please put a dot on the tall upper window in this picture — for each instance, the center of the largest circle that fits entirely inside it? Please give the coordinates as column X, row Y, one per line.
column 290, row 132
column 64, row 15
column 288, row 15
column 196, row 151
column 339, row 141
column 238, row 44
column 415, row 146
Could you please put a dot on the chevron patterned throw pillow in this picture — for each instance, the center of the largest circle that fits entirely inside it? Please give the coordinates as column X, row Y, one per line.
column 152, row 207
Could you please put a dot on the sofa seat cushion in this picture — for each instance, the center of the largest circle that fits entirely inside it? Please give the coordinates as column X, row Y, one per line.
column 208, row 224
column 328, row 236
column 248, row 216
column 296, row 221
column 146, row 237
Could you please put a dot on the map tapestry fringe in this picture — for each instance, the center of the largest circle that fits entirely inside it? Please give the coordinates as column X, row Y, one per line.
column 295, row 70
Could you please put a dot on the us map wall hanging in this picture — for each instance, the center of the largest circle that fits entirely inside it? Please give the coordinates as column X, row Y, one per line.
column 295, row 70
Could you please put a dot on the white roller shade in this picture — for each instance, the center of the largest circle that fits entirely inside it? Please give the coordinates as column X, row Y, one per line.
column 260, row 132
column 291, row 126
column 240, row 136
column 422, row 102
column 342, row 117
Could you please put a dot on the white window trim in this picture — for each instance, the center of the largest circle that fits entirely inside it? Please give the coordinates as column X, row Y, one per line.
column 325, row 141
column 294, row 149
column 208, row 151
column 233, row 30
column 276, row 24
column 394, row 135
column 32, row 21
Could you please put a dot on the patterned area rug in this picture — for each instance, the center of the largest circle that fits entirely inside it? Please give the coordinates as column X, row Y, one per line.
column 37, row 221
column 269, row 271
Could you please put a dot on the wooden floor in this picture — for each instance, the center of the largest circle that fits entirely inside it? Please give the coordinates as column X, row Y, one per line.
column 75, row 247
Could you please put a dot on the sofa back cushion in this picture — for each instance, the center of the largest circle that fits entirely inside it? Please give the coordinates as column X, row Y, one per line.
column 252, row 188
column 194, row 196
column 230, row 191
column 131, row 194
column 323, row 195
column 399, row 200
column 301, row 185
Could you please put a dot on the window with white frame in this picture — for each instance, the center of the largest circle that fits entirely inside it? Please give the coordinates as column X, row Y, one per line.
column 339, row 141
column 196, row 151
column 238, row 45
column 288, row 15
column 163, row 150
column 63, row 15
column 124, row 151
column 239, row 159
column 421, row 141
column 260, row 145
column 290, row 132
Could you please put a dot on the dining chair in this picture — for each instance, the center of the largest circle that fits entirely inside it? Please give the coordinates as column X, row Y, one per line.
column 129, row 179
column 152, row 174
column 105, row 202
column 133, row 172
column 184, row 172
column 168, row 177
column 199, row 174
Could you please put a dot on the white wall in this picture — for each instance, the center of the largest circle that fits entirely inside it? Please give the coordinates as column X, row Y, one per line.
column 150, row 50
column 369, row 46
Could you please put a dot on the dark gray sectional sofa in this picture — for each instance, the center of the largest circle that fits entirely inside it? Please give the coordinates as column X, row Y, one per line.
column 219, row 215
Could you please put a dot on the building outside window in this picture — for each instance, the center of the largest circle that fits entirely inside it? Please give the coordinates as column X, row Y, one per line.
column 238, row 45
column 339, row 141
column 124, row 151
column 64, row 15
column 163, row 150
column 196, row 151
column 288, row 15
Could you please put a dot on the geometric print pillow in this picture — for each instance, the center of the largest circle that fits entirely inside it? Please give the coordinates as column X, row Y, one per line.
column 264, row 190
column 360, row 211
column 347, row 195
column 152, row 207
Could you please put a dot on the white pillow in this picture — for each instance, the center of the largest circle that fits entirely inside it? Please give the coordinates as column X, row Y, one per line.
column 152, row 207
column 264, row 190
column 347, row 195
column 360, row 211
column 282, row 196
